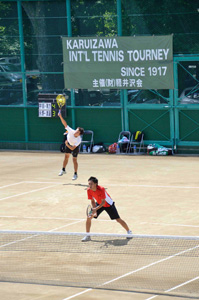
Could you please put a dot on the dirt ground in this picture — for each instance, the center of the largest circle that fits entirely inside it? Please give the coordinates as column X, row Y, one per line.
column 154, row 195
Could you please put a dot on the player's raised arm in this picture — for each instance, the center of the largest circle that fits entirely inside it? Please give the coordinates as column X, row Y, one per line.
column 62, row 120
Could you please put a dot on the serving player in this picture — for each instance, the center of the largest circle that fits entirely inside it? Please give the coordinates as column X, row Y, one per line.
column 72, row 146
column 100, row 201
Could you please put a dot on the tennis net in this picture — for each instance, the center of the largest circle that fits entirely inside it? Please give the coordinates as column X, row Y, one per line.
column 166, row 265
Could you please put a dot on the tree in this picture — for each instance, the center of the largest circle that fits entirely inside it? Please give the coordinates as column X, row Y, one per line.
column 9, row 31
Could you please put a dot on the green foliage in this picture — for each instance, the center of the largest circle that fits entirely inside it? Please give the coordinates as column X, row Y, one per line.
column 94, row 18
column 110, row 24
column 2, row 30
column 178, row 17
column 45, row 22
column 9, row 40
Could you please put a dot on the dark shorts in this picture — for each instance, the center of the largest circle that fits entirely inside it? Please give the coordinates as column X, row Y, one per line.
column 74, row 152
column 111, row 211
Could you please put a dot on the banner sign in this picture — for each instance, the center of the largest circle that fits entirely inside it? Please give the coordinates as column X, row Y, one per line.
column 140, row 62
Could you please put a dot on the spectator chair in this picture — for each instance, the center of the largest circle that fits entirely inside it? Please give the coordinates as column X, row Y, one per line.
column 124, row 145
column 88, row 140
column 139, row 145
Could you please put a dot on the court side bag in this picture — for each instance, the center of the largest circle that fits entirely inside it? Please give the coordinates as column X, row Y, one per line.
column 62, row 148
column 112, row 148
column 137, row 136
column 156, row 149
column 98, row 149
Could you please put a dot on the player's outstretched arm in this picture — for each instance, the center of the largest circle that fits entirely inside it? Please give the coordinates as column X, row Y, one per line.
column 62, row 120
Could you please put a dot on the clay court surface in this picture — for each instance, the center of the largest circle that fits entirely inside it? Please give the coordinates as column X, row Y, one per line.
column 154, row 195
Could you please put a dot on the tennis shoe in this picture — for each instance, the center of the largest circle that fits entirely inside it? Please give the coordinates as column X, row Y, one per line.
column 130, row 233
column 87, row 238
column 74, row 177
column 62, row 173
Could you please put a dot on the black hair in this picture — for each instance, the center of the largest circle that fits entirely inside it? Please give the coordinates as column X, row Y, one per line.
column 81, row 130
column 93, row 179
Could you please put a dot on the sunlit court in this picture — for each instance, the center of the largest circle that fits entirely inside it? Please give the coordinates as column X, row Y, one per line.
column 43, row 216
column 99, row 150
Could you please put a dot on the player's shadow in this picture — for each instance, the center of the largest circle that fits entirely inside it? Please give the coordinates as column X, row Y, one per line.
column 115, row 243
column 77, row 184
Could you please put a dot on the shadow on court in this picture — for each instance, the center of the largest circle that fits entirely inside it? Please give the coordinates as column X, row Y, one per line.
column 78, row 184
column 110, row 243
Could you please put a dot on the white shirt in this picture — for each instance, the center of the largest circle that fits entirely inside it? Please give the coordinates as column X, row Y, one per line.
column 72, row 140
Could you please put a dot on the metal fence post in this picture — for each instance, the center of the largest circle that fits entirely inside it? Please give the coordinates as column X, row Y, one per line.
column 22, row 54
column 69, row 30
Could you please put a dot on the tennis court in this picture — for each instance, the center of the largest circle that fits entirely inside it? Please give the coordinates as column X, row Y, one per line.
column 154, row 195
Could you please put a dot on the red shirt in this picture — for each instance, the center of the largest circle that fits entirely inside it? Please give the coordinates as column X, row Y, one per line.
column 99, row 195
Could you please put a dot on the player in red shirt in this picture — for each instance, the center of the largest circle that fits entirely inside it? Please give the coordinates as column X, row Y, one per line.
column 100, row 201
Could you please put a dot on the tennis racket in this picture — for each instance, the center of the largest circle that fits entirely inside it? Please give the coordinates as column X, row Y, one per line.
column 61, row 101
column 89, row 210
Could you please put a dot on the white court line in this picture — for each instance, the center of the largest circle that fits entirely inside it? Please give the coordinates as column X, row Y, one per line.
column 165, row 224
column 99, row 220
column 25, row 193
column 132, row 272
column 5, row 186
column 127, row 274
column 66, row 225
column 133, row 185
column 49, row 218
column 35, row 235
column 73, row 296
column 156, row 186
column 174, row 288
column 42, row 218
column 17, row 241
